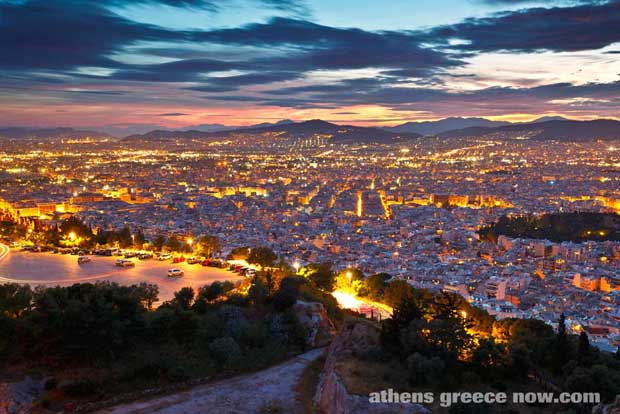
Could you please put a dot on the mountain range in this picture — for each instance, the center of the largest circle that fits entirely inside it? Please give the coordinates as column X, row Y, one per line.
column 546, row 128
column 288, row 130
column 60, row 132
column 560, row 130
column 450, row 124
column 447, row 124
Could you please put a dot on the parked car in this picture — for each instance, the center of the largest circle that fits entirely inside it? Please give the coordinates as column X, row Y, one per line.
column 83, row 259
column 175, row 273
column 163, row 257
column 178, row 259
column 206, row 262
column 144, row 256
column 125, row 263
column 193, row 260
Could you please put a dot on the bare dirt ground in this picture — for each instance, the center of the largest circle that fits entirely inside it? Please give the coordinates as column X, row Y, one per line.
column 267, row 391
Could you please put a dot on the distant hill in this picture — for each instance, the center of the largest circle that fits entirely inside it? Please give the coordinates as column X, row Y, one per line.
column 207, row 127
column 28, row 132
column 289, row 130
column 560, row 130
column 546, row 128
column 455, row 123
column 546, row 119
column 447, row 124
column 167, row 135
column 268, row 124
column 220, row 127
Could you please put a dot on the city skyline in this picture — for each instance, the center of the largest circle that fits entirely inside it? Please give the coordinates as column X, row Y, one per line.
column 177, row 64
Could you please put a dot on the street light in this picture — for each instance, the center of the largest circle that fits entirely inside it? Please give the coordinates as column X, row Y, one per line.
column 72, row 236
column 296, row 265
column 349, row 276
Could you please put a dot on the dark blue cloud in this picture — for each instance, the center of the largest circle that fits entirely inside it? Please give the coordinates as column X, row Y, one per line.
column 43, row 43
column 211, row 88
column 189, row 70
column 515, row 2
column 312, row 46
column 203, row 4
column 296, row 7
column 582, row 27
column 58, row 35
column 253, row 78
column 362, row 91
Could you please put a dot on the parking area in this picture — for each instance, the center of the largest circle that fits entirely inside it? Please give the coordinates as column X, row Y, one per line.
column 63, row 269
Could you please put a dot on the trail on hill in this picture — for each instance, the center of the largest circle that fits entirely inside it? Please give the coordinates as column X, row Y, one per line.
column 244, row 394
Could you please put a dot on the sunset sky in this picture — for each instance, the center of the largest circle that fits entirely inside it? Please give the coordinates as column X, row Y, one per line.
column 178, row 63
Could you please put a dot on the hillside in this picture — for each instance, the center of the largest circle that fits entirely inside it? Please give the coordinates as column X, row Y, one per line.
column 27, row 132
column 560, row 130
column 296, row 130
column 443, row 125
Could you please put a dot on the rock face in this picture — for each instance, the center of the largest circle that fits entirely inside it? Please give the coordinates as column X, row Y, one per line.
column 313, row 317
column 332, row 397
column 18, row 397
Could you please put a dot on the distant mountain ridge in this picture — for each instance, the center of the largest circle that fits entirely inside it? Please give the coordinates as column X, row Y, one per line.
column 546, row 119
column 560, row 130
column 552, row 128
column 546, row 128
column 221, row 127
column 447, row 124
column 60, row 132
column 289, row 130
column 454, row 123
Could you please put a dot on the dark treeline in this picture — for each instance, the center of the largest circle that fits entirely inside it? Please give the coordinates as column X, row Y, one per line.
column 98, row 339
column 557, row 227
column 442, row 342
column 72, row 232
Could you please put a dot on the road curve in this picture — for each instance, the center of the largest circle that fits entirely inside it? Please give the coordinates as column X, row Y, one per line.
column 4, row 251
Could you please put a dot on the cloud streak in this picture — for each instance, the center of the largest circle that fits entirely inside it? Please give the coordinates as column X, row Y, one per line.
column 86, row 52
column 583, row 27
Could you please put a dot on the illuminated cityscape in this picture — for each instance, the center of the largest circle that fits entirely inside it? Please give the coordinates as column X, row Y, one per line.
column 314, row 207
column 411, row 210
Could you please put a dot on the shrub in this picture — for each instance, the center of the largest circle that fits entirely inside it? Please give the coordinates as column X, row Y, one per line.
column 224, row 349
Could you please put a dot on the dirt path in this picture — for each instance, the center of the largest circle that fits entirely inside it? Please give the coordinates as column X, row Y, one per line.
column 245, row 394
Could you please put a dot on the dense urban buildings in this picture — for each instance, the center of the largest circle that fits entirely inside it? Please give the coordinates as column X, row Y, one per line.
column 309, row 206
column 412, row 209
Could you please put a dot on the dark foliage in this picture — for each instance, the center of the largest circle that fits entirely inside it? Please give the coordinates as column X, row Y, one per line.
column 107, row 329
column 557, row 227
column 444, row 341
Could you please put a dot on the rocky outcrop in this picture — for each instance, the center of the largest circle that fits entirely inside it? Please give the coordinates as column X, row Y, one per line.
column 313, row 317
column 18, row 397
column 356, row 337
